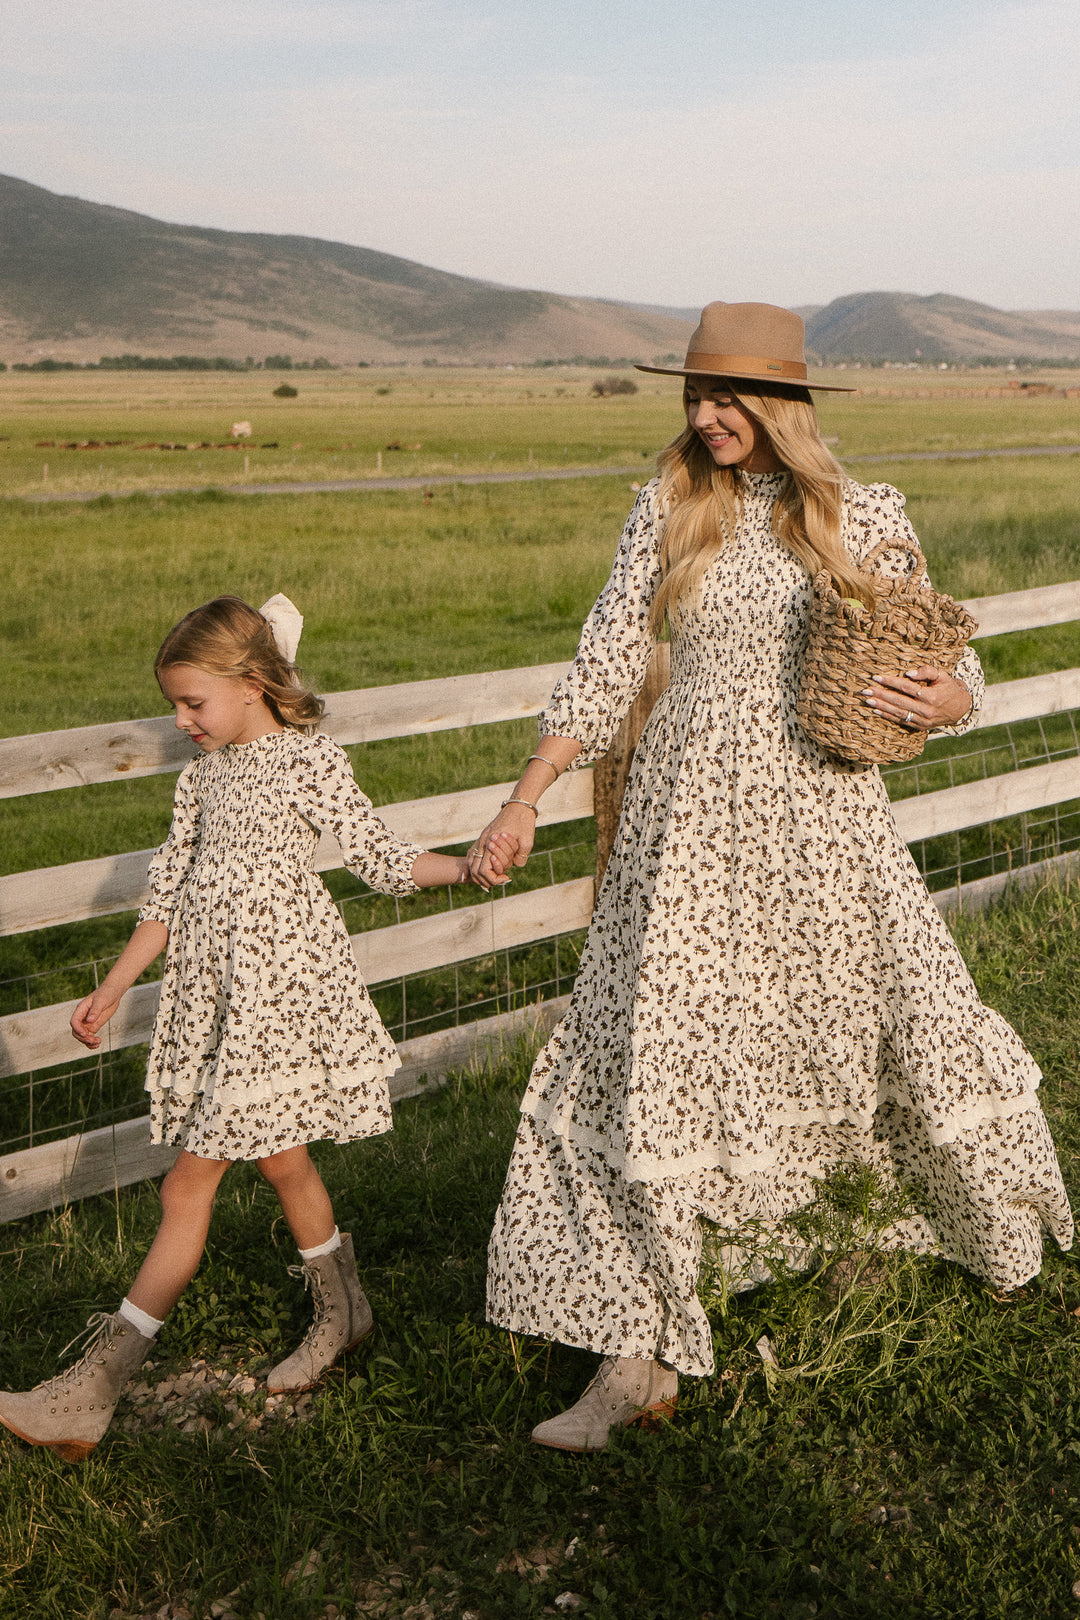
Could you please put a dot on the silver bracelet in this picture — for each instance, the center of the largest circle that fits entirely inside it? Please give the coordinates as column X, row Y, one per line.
column 545, row 761
column 513, row 799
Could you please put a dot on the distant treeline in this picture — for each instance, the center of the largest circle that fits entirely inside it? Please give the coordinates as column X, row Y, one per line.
column 175, row 362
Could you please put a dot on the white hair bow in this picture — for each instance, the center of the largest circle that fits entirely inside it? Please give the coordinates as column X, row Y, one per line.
column 286, row 621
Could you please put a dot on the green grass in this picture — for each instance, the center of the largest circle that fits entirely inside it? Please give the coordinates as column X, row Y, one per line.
column 929, row 1469
column 440, row 422
column 482, row 578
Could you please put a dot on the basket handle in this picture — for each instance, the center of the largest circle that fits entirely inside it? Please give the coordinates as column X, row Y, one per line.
column 896, row 542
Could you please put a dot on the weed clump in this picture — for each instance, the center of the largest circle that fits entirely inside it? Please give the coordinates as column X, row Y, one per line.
column 603, row 387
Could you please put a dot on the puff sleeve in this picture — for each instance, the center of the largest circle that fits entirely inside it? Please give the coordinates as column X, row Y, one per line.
column 616, row 641
column 170, row 865
column 324, row 791
column 874, row 512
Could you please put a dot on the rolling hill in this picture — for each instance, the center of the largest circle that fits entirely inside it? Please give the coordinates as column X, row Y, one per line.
column 901, row 326
column 80, row 279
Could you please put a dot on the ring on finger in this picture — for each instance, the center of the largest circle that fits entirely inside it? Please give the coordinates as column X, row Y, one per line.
column 909, row 717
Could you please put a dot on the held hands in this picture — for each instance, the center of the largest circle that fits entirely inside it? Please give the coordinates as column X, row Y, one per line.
column 504, row 843
column 468, row 875
column 923, row 699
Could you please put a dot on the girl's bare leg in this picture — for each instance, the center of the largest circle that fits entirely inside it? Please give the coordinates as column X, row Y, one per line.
column 187, row 1199
column 304, row 1200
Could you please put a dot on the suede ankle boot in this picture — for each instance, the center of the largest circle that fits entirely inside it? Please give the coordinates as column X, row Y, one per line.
column 342, row 1318
column 71, row 1411
column 625, row 1390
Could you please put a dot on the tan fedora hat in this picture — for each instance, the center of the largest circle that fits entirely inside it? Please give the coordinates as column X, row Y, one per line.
column 760, row 342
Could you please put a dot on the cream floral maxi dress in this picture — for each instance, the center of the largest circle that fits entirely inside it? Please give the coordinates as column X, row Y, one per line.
column 265, row 1036
column 766, row 991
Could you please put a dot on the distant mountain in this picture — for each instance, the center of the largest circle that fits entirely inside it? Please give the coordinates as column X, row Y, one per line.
column 78, row 280
column 901, row 326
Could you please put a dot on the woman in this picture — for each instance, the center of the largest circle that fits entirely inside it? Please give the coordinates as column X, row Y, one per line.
column 767, row 990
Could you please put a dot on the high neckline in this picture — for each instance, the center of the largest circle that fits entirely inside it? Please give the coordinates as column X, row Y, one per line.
column 761, row 480
column 253, row 742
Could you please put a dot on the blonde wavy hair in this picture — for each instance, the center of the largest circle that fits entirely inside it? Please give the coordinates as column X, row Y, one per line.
column 700, row 500
column 227, row 637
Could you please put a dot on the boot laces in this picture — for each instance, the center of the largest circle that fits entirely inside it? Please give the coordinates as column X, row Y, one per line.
column 601, row 1380
column 314, row 1284
column 93, row 1336
column 600, row 1387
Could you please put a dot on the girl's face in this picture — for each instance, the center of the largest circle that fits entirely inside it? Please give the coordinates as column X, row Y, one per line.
column 216, row 710
column 732, row 436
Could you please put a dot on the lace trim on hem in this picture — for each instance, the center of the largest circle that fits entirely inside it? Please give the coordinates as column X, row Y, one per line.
column 337, row 1083
column 750, row 1162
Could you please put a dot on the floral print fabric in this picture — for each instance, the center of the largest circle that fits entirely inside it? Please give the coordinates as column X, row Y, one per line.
column 767, row 990
column 265, row 1036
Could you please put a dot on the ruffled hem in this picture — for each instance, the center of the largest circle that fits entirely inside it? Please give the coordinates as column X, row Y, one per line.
column 951, row 1081
column 580, row 1254
column 257, row 1130
column 687, row 1348
column 333, row 1079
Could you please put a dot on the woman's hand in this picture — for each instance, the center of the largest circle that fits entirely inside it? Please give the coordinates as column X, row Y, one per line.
column 923, row 700
column 504, row 842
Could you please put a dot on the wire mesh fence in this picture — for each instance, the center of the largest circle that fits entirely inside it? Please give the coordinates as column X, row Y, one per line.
column 107, row 1088
column 955, row 858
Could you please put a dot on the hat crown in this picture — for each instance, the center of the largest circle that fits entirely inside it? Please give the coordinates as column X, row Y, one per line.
column 749, row 332
column 753, row 342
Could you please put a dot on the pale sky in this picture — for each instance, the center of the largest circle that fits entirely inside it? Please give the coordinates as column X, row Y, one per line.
column 660, row 151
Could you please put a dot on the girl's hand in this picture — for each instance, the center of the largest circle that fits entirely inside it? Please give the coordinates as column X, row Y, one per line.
column 923, row 700
column 92, row 1013
column 469, row 876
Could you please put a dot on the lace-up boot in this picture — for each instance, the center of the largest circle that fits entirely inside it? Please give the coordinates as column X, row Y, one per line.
column 625, row 1390
column 71, row 1412
column 342, row 1318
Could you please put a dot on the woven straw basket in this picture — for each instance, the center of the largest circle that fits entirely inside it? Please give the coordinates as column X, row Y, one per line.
column 850, row 644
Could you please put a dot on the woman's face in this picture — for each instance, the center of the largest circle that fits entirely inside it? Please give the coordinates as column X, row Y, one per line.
column 732, row 436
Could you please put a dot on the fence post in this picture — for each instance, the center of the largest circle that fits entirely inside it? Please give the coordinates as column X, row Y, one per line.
column 611, row 772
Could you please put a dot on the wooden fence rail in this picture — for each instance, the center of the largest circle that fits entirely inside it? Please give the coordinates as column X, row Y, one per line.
column 51, row 760
column 40, row 1039
column 116, row 752
column 98, row 888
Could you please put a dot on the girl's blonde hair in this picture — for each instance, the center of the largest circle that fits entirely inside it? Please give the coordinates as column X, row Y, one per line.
column 227, row 637
column 700, row 500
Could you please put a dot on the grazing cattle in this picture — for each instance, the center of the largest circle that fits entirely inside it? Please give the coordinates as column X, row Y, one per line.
column 241, row 430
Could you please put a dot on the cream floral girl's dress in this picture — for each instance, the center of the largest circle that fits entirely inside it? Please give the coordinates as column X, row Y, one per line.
column 265, row 1035
column 766, row 991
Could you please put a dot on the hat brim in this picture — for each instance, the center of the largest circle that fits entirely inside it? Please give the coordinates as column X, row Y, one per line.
column 750, row 376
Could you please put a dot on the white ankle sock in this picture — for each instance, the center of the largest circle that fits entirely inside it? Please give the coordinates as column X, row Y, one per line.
column 328, row 1247
column 147, row 1325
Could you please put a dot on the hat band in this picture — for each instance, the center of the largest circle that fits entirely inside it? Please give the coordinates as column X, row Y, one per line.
column 745, row 365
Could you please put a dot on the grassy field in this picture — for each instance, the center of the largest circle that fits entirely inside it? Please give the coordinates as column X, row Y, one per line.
column 922, row 1467
column 925, row 1462
column 393, row 589
column 429, row 422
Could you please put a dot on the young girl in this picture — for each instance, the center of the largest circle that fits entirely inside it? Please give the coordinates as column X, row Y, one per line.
column 265, row 1038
